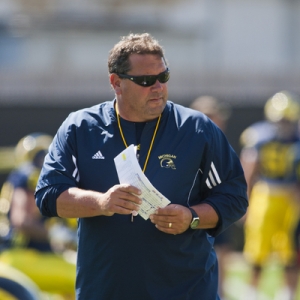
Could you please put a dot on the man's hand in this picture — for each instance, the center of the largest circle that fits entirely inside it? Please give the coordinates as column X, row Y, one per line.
column 172, row 219
column 78, row 203
column 121, row 199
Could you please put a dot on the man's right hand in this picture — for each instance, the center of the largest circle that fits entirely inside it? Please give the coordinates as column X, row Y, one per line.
column 78, row 203
column 121, row 199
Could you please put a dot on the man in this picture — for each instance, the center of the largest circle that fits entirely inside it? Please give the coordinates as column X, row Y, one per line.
column 183, row 154
column 270, row 157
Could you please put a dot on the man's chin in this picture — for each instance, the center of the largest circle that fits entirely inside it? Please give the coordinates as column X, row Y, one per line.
column 157, row 110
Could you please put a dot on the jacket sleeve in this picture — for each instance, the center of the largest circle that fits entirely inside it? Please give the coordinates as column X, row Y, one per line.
column 223, row 183
column 59, row 171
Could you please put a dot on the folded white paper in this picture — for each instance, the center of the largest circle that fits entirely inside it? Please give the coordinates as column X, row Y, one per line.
column 129, row 171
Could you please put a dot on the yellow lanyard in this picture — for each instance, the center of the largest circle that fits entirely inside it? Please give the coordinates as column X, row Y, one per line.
column 153, row 137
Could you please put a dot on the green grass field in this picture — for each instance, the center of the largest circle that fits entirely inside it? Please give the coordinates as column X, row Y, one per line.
column 238, row 274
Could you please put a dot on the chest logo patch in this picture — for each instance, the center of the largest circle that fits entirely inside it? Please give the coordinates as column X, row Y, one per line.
column 167, row 161
column 98, row 155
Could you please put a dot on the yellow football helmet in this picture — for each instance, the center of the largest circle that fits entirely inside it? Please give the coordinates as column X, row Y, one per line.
column 30, row 146
column 282, row 106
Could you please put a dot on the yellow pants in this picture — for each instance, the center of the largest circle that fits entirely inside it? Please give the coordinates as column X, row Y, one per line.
column 50, row 272
column 270, row 224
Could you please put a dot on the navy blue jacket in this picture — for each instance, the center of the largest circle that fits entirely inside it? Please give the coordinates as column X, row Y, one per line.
column 191, row 162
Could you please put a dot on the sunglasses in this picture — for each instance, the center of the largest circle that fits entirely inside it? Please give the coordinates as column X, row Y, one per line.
column 148, row 80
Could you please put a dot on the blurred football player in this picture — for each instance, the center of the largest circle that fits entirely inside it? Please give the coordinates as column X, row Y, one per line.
column 216, row 110
column 270, row 158
column 27, row 242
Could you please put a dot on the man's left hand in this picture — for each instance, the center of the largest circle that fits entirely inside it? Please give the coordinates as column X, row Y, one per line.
column 172, row 219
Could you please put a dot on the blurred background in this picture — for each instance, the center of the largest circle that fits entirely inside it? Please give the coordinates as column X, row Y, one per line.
column 53, row 57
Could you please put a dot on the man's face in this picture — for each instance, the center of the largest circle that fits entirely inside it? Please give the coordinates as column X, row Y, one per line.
column 137, row 103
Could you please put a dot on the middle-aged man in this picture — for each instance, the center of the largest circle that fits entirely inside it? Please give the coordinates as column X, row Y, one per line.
column 185, row 157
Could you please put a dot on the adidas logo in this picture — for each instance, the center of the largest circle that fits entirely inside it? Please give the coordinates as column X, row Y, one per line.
column 98, row 155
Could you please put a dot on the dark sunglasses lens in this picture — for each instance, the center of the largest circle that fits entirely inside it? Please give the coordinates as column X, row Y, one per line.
column 145, row 80
column 150, row 79
column 164, row 77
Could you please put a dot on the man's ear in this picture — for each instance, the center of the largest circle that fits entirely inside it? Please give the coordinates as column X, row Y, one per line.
column 115, row 82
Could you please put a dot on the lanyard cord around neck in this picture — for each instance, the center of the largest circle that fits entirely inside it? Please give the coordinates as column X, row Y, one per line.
column 152, row 141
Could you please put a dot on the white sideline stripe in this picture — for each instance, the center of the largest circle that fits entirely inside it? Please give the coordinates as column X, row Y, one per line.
column 208, row 183
column 212, row 178
column 215, row 172
column 212, row 175
column 188, row 201
column 76, row 172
